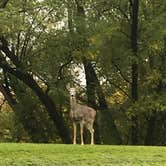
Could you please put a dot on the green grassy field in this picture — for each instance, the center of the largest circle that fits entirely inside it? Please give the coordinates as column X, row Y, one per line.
column 77, row 155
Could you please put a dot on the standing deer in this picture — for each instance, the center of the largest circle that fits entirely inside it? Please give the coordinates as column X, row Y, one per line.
column 82, row 115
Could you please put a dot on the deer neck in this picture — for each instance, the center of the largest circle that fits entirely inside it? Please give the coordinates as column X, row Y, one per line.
column 73, row 103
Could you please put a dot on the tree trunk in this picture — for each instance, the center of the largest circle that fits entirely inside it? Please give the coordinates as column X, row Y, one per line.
column 108, row 131
column 7, row 95
column 91, row 95
column 149, row 139
column 134, row 46
column 107, row 128
column 90, row 82
column 44, row 98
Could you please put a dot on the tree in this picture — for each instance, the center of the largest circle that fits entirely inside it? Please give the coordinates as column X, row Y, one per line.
column 93, row 85
column 134, row 46
column 17, row 66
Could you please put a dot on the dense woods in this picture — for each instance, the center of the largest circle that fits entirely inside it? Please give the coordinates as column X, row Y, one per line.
column 113, row 52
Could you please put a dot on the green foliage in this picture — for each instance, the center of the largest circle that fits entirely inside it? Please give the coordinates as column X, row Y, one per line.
column 56, row 52
column 32, row 115
column 11, row 130
column 145, row 110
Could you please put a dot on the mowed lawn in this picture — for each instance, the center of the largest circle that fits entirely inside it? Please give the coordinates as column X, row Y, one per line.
column 12, row 154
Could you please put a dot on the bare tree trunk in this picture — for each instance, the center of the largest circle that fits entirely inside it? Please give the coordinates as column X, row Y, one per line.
column 134, row 46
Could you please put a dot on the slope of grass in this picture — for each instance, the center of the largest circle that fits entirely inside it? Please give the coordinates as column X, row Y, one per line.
column 76, row 155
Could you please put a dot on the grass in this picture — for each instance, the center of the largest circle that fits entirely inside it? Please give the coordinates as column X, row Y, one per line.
column 12, row 154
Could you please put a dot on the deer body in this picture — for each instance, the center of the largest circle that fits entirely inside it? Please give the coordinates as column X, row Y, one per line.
column 82, row 115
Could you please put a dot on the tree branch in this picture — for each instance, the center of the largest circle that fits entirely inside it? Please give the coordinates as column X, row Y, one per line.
column 44, row 98
column 116, row 86
column 125, row 34
column 59, row 77
column 29, row 32
column 4, row 47
column 123, row 13
column 120, row 72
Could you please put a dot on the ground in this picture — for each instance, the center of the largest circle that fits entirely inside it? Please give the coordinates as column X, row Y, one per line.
column 12, row 154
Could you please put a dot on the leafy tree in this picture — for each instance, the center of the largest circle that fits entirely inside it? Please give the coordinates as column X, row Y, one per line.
column 23, row 40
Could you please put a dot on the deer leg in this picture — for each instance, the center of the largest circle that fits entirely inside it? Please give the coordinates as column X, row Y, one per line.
column 91, row 130
column 74, row 132
column 81, row 133
column 92, row 134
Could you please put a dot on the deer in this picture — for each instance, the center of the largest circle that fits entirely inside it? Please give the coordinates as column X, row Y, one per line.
column 82, row 115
